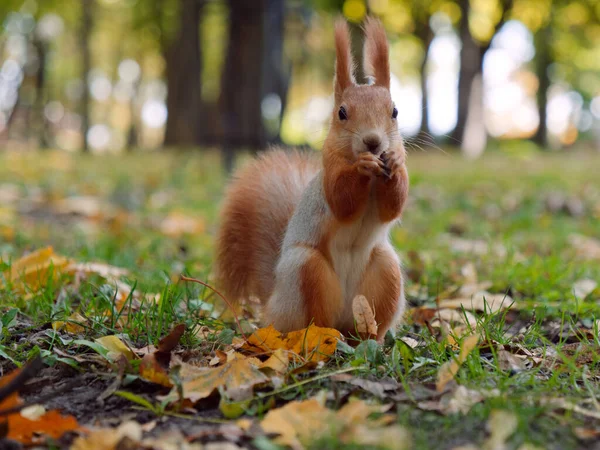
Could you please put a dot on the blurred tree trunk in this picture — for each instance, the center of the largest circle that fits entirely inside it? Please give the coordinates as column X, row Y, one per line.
column 470, row 67
column 253, row 68
column 86, row 65
column 276, row 72
column 184, row 68
column 425, row 34
column 542, row 61
column 40, row 91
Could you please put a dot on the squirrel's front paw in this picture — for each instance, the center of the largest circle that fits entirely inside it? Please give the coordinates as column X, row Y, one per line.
column 392, row 161
column 370, row 165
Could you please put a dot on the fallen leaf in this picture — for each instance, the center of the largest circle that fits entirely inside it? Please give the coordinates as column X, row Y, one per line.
column 235, row 379
column 177, row 224
column 154, row 366
column 377, row 388
column 95, row 268
column 412, row 343
column 171, row 340
column 457, row 400
column 510, row 362
column 31, row 272
column 26, row 431
column 312, row 343
column 583, row 288
column 501, row 426
column 71, row 325
column 586, row 433
column 450, row 368
column 128, row 435
column 480, row 301
column 301, row 423
column 155, row 371
column 364, row 319
column 278, row 362
column 115, row 347
column 565, row 404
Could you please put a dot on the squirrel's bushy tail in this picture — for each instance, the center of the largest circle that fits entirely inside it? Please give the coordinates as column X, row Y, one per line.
column 258, row 205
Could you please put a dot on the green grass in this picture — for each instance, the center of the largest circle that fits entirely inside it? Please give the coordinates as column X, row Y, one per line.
column 499, row 200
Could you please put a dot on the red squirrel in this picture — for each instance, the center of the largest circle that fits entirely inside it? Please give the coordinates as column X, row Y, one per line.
column 306, row 238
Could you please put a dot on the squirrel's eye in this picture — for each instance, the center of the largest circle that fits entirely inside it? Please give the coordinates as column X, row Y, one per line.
column 343, row 115
column 394, row 113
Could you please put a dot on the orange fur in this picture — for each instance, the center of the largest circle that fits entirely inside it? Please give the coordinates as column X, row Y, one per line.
column 345, row 189
column 391, row 195
column 321, row 291
column 266, row 190
column 382, row 286
column 344, row 65
column 305, row 259
column 376, row 58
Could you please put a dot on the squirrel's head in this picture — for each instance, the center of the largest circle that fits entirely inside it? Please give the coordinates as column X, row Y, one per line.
column 364, row 116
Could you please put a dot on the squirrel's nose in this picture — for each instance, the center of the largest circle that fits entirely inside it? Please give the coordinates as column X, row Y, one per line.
column 372, row 141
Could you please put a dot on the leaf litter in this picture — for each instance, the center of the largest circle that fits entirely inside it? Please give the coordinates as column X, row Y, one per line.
column 453, row 321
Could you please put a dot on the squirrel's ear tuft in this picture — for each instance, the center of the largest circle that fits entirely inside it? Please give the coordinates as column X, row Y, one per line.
column 376, row 53
column 344, row 65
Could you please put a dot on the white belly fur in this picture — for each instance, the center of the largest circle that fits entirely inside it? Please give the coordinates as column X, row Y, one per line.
column 350, row 250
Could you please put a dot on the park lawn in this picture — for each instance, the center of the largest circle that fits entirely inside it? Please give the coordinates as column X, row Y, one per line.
column 523, row 226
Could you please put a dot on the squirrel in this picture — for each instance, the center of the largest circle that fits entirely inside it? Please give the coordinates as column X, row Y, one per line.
column 306, row 238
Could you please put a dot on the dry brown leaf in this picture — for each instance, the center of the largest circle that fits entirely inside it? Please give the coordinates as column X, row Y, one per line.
column 313, row 343
column 457, row 400
column 450, row 368
column 22, row 429
column 377, row 388
column 412, row 343
column 154, row 366
column 364, row 318
column 236, row 379
column 300, row 423
column 128, row 435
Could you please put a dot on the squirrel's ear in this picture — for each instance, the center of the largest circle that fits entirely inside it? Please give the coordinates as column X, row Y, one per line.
column 343, row 64
column 376, row 53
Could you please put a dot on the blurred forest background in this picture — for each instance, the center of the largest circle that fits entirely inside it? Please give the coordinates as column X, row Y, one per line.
column 115, row 75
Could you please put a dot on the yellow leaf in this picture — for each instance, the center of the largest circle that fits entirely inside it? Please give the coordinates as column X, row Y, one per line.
column 116, row 346
column 364, row 318
column 30, row 273
column 69, row 325
column 152, row 370
column 109, row 438
column 313, row 343
column 104, row 270
column 301, row 423
column 449, row 369
column 277, row 362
